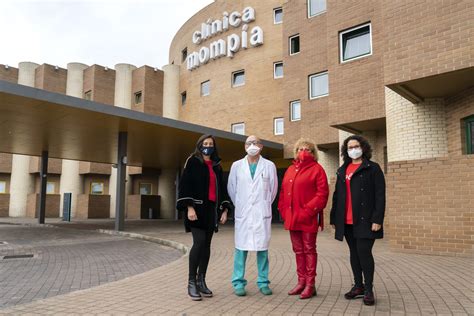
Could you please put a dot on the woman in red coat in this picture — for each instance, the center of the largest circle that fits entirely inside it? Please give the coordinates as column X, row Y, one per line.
column 303, row 197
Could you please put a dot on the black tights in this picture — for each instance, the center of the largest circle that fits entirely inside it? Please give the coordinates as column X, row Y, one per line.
column 200, row 252
column 362, row 260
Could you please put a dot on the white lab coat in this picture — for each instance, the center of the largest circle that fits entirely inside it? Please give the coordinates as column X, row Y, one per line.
column 253, row 203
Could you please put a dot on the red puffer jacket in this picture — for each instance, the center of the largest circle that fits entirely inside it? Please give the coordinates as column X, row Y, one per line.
column 303, row 196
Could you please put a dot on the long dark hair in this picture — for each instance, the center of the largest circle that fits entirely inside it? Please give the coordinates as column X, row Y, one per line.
column 364, row 145
column 197, row 150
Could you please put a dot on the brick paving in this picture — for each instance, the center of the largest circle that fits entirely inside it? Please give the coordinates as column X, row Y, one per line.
column 405, row 284
column 66, row 260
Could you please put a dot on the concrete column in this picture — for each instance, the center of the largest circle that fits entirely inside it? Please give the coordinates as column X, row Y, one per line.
column 21, row 181
column 71, row 181
column 171, row 92
column 123, row 99
column 171, row 103
column 415, row 131
column 167, row 192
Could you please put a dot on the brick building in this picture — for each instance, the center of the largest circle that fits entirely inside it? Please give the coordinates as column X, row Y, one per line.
column 398, row 72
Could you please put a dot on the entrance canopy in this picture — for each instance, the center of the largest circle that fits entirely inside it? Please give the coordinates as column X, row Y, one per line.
column 33, row 121
column 51, row 125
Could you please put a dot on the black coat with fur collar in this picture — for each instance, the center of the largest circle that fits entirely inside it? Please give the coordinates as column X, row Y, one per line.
column 193, row 190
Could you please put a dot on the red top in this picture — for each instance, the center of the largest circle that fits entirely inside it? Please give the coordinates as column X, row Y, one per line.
column 351, row 168
column 212, row 181
column 303, row 196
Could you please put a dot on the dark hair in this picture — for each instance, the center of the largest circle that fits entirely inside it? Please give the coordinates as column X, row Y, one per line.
column 364, row 145
column 197, row 150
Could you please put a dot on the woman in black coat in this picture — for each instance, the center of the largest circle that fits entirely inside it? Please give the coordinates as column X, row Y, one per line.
column 358, row 208
column 203, row 198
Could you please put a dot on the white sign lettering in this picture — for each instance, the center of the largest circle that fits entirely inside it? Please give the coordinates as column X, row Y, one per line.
column 233, row 43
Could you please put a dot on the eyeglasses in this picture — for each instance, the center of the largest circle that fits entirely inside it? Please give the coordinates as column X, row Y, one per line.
column 252, row 142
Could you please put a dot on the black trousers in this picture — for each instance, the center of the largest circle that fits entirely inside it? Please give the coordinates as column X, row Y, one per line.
column 200, row 251
column 362, row 260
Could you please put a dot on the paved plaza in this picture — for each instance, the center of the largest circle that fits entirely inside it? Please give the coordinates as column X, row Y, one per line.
column 41, row 262
column 405, row 284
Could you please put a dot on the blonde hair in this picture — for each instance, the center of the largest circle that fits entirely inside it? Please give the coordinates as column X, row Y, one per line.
column 307, row 143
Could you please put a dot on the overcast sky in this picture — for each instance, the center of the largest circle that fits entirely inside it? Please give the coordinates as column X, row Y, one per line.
column 104, row 32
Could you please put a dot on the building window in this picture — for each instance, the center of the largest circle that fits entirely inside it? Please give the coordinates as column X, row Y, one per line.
column 355, row 42
column 184, row 54
column 50, row 186
column 469, row 121
column 294, row 44
column 295, row 110
column 278, row 70
column 205, row 88
column 88, row 95
column 97, row 188
column 238, row 128
column 318, row 85
column 278, row 125
column 183, row 98
column 145, row 188
column 138, row 97
column 238, row 78
column 316, row 7
column 277, row 16
column 3, row 187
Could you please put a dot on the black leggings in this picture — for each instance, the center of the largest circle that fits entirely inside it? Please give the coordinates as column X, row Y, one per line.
column 200, row 252
column 362, row 260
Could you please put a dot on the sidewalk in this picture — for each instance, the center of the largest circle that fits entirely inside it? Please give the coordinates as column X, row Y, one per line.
column 404, row 283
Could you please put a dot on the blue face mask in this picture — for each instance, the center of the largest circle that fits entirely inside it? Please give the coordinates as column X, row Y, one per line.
column 207, row 151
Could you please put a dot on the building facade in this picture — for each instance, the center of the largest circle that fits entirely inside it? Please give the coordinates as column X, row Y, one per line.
column 92, row 184
column 400, row 73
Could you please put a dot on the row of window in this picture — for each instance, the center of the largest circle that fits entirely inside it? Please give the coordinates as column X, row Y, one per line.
column 315, row 7
column 318, row 83
column 137, row 96
column 97, row 188
column 278, row 127
column 354, row 43
column 295, row 115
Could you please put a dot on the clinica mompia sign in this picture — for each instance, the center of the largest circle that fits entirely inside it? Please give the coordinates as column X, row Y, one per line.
column 234, row 42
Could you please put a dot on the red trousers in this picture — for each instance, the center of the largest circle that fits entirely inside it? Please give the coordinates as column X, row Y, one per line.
column 304, row 247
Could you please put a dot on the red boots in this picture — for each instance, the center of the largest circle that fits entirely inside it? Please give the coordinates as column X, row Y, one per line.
column 297, row 289
column 308, row 292
column 304, row 246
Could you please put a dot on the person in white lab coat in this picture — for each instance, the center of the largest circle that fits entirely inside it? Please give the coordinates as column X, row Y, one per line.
column 252, row 186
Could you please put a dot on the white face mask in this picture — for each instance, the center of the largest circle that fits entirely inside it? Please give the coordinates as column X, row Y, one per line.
column 253, row 150
column 355, row 153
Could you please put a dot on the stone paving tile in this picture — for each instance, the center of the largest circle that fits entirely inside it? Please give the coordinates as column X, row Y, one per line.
column 405, row 284
column 67, row 260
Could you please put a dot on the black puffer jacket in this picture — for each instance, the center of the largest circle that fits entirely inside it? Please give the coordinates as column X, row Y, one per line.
column 194, row 190
column 368, row 200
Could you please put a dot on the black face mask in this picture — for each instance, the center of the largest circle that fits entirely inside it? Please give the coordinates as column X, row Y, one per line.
column 207, row 151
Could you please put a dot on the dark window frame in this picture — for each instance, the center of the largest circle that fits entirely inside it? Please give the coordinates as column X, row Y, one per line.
column 469, row 127
column 290, row 46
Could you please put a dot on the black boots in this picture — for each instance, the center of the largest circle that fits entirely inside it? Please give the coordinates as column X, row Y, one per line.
column 202, row 287
column 193, row 291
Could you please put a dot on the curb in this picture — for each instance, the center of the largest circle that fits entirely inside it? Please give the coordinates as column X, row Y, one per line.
column 29, row 224
column 165, row 242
